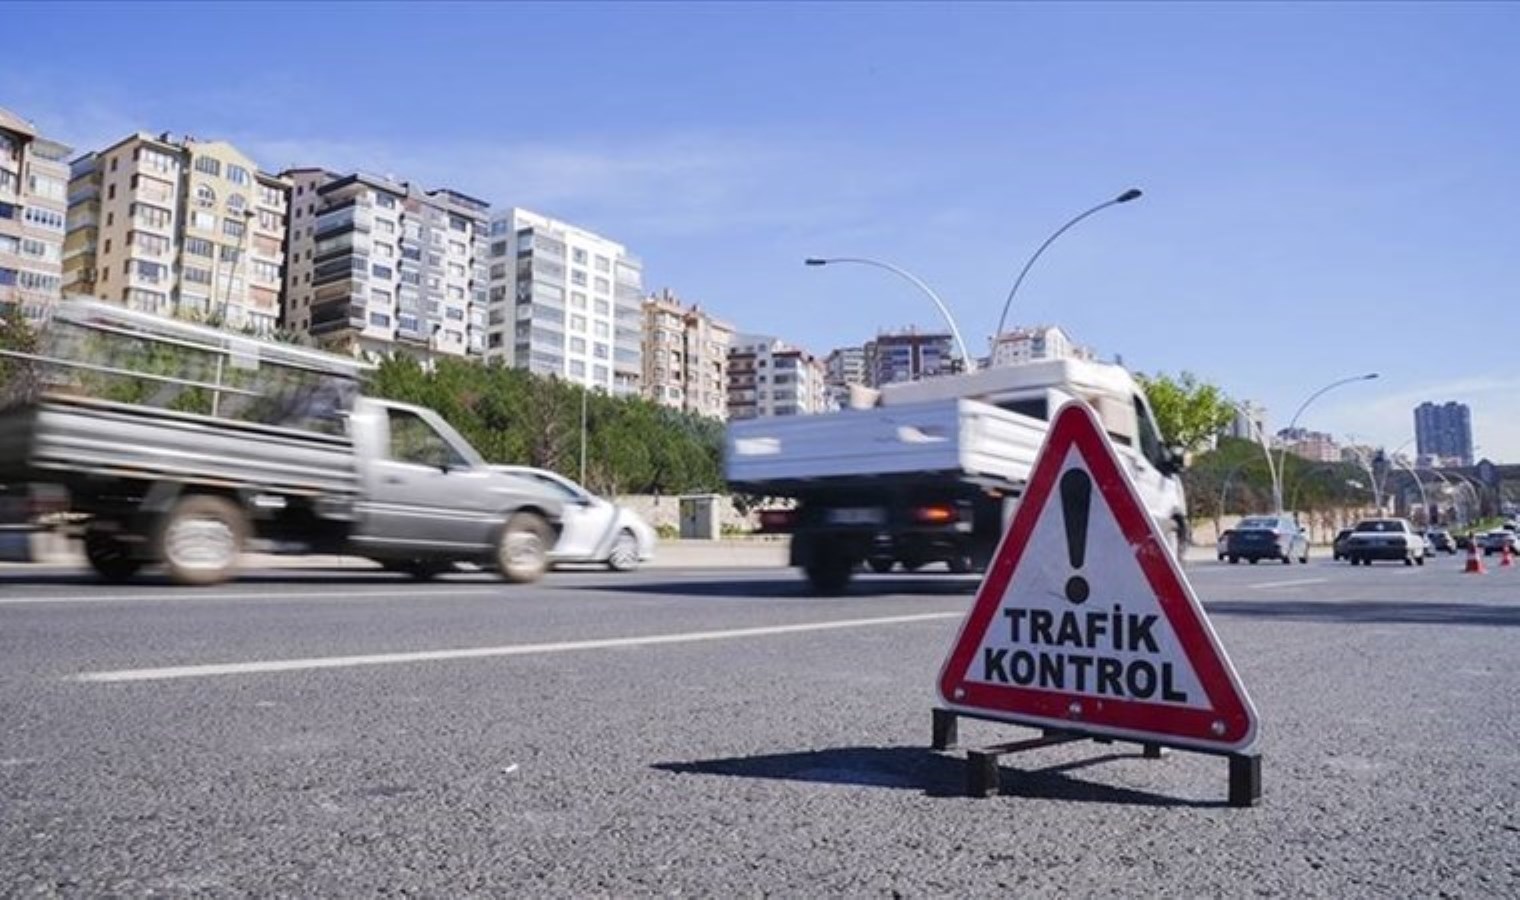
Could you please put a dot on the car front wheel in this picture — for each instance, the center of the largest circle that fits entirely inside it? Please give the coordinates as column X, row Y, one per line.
column 522, row 550
column 625, row 553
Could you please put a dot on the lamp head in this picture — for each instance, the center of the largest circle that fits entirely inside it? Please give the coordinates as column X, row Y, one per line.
column 1131, row 194
column 815, row 261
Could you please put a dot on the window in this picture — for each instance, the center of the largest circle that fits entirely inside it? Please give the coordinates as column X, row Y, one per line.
column 155, row 160
column 454, row 314
column 203, row 221
column 208, row 165
column 578, row 256
column 270, row 196
column 385, row 226
column 577, row 278
column 577, row 369
column 237, row 174
column 577, row 323
column 230, row 254
column 458, row 224
column 269, row 221
column 599, row 329
column 602, row 307
column 153, row 244
column 150, row 272
column 265, row 271
column 456, row 270
column 151, row 188
column 577, row 345
column 599, row 351
column 236, row 203
column 196, row 275
column 385, row 201
column 47, row 186
column 151, row 216
column 380, row 297
column 380, row 271
column 458, row 248
column 603, row 286
column 602, row 264
column 414, row 441
column 456, row 292
column 384, row 251
column 577, row 300
column 233, row 228
column 379, row 320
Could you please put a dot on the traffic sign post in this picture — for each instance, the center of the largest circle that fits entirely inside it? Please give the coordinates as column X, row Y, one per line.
column 1086, row 628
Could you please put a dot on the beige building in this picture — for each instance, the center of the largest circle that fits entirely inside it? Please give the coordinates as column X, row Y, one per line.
column 377, row 265
column 1022, row 345
column 685, row 357
column 178, row 226
column 34, row 184
column 767, row 377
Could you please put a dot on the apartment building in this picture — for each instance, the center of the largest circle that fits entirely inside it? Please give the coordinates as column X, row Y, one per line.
column 767, row 377
column 685, row 354
column 1317, row 446
column 909, row 355
column 1250, row 422
column 1037, row 342
column 565, row 302
column 843, row 368
column 1443, row 433
column 378, row 266
column 178, row 226
column 34, row 184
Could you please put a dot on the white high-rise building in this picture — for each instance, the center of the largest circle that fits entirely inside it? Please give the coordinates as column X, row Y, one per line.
column 565, row 302
column 1021, row 345
column 767, row 377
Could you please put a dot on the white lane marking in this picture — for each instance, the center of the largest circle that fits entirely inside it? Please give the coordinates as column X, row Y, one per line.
column 1293, row 583
column 274, row 593
column 386, row 659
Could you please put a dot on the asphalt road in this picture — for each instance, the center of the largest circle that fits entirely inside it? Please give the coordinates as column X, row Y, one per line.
column 691, row 732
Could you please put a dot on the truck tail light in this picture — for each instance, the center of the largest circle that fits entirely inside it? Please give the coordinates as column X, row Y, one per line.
column 936, row 514
column 777, row 520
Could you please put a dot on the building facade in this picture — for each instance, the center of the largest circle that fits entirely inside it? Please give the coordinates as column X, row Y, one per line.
column 1312, row 445
column 843, row 368
column 1250, row 422
column 685, row 357
column 769, row 378
column 909, row 355
column 565, row 302
column 178, row 226
column 34, row 186
column 1443, row 433
column 379, row 266
column 1022, row 345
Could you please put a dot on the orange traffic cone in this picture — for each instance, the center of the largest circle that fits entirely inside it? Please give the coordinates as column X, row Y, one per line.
column 1474, row 561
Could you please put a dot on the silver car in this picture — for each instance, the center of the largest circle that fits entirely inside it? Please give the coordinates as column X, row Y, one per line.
column 594, row 530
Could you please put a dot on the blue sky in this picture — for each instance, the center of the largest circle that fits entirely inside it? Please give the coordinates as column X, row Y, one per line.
column 1329, row 189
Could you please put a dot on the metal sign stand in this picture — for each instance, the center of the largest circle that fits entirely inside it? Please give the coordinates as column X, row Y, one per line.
column 984, row 778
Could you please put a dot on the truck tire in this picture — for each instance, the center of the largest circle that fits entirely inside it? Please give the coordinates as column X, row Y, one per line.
column 522, row 550
column 829, row 572
column 109, row 556
column 881, row 565
column 202, row 539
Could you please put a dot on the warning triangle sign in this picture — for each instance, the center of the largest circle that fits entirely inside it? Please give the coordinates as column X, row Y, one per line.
column 1084, row 621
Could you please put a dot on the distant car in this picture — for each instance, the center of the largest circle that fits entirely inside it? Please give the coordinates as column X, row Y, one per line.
column 1224, row 542
column 1338, row 546
column 1440, row 540
column 595, row 530
column 1392, row 539
column 1256, row 538
column 1497, row 540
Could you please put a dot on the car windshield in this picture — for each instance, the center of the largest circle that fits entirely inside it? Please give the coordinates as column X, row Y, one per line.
column 1258, row 523
column 1380, row 525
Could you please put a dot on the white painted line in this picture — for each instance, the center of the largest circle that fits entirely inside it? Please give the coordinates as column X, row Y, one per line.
column 274, row 593
column 1294, row 583
column 386, row 659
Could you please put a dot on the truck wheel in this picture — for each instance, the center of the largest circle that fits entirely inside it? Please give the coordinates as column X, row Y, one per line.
column 881, row 565
column 109, row 556
column 202, row 539
column 829, row 573
column 522, row 551
column 959, row 563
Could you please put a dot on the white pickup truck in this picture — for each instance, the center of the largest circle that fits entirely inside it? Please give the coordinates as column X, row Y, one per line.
column 932, row 471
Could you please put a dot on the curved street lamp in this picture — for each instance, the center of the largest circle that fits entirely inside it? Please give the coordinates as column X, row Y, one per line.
column 917, row 282
column 1282, row 456
column 1127, row 196
column 1266, row 450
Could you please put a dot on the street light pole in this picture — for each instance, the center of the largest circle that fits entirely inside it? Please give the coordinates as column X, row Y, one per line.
column 1127, row 196
column 1282, row 456
column 1266, row 450
column 585, row 393
column 915, row 280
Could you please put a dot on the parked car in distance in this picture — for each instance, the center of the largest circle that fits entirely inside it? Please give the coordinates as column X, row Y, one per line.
column 1256, row 538
column 595, row 530
column 1338, row 546
column 1224, row 542
column 1440, row 540
column 1497, row 540
column 1392, row 539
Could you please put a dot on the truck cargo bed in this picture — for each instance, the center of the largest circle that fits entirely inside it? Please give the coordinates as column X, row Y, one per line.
column 963, row 439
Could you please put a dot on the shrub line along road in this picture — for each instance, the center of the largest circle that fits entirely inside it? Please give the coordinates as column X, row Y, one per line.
column 716, row 731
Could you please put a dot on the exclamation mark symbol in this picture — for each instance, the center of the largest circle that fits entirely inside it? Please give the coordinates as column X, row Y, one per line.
column 1076, row 500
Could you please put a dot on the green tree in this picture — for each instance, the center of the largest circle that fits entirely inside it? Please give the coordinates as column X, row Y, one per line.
column 1189, row 412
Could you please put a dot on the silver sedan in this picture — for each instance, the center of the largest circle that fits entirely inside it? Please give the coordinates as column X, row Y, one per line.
column 595, row 530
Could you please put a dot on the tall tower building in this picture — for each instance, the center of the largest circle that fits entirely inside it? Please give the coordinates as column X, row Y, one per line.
column 685, row 357
column 34, row 184
column 908, row 356
column 844, row 366
column 178, row 226
column 565, row 302
column 1443, row 432
column 378, row 265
